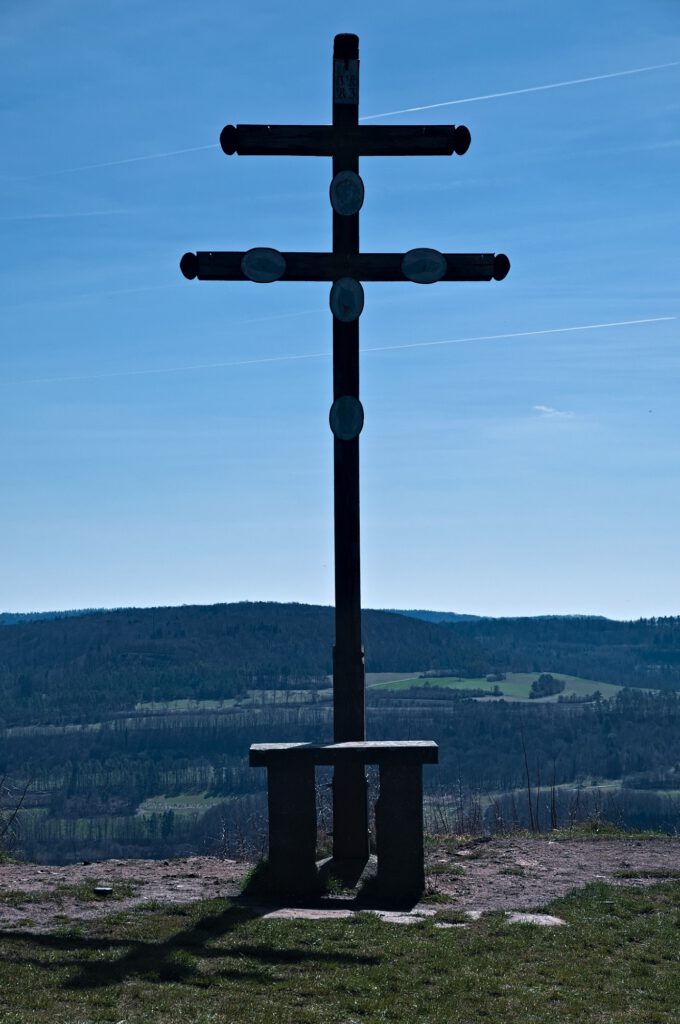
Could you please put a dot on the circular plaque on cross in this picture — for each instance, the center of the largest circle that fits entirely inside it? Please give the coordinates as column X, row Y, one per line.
column 346, row 418
column 263, row 265
column 347, row 299
column 347, row 193
column 424, row 266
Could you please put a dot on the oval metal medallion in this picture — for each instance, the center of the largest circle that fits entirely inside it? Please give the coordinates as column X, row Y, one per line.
column 424, row 266
column 347, row 299
column 346, row 418
column 347, row 193
column 263, row 265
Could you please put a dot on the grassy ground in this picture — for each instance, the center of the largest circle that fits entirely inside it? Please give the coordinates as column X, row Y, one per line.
column 617, row 961
column 256, row 698
column 516, row 686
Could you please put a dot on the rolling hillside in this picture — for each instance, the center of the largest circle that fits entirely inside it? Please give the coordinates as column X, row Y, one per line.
column 77, row 667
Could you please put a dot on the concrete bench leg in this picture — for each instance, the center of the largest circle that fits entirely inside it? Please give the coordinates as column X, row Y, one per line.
column 399, row 831
column 292, row 827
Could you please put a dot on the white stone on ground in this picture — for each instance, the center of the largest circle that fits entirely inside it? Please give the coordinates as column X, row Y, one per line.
column 307, row 914
column 547, row 920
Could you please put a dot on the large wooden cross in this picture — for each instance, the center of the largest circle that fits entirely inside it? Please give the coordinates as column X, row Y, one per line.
column 345, row 140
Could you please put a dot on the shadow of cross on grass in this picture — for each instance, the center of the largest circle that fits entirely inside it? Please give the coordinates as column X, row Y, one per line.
column 168, row 960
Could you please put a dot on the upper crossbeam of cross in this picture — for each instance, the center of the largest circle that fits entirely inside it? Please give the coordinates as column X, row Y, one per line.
column 345, row 140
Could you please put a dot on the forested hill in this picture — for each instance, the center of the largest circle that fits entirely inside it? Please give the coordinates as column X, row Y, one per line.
column 11, row 618
column 76, row 668
column 645, row 652
column 429, row 616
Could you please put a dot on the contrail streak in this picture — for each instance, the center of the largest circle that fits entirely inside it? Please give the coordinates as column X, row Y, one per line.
column 520, row 92
column 64, row 216
column 324, row 355
column 375, row 117
column 520, row 334
column 129, row 160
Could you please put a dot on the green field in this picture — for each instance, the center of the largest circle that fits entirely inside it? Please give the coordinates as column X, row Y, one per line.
column 515, row 687
column 184, row 803
column 252, row 699
column 616, row 961
column 185, row 704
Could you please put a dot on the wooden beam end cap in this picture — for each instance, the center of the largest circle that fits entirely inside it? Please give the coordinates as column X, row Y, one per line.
column 189, row 265
column 346, row 46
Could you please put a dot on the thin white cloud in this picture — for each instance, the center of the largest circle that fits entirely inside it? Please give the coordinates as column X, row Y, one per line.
column 550, row 413
column 326, row 354
column 521, row 92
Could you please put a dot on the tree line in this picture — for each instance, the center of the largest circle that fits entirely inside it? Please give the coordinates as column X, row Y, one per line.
column 87, row 785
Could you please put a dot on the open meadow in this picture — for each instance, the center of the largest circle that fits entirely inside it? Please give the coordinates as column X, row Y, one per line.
column 515, row 686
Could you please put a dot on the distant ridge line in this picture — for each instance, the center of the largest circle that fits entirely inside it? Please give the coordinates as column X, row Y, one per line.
column 11, row 618
column 432, row 616
column 424, row 614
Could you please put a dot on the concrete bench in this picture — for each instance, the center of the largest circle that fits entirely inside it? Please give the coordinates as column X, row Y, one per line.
column 398, row 812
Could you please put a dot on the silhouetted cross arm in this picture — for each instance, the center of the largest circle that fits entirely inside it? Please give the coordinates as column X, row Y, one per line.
column 328, row 266
column 331, row 140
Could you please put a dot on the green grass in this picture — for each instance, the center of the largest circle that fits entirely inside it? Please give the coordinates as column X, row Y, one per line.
column 82, row 892
column 595, row 828
column 445, row 869
column 647, row 873
column 516, row 686
column 617, row 962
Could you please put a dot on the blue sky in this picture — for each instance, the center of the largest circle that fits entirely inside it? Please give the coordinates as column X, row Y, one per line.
column 159, row 443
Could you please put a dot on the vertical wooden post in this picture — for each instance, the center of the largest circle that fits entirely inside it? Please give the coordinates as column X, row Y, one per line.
column 350, row 811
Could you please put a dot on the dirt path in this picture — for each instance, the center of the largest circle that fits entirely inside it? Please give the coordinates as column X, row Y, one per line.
column 501, row 874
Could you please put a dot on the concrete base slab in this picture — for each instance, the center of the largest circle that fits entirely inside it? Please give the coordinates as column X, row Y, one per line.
column 403, row 916
column 341, row 913
column 307, row 914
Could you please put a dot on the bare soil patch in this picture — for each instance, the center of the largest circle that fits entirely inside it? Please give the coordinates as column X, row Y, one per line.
column 522, row 874
column 39, row 897
column 515, row 874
